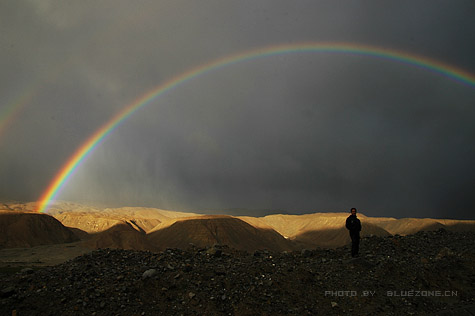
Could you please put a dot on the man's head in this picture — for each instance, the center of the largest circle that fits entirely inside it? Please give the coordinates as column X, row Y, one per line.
column 353, row 211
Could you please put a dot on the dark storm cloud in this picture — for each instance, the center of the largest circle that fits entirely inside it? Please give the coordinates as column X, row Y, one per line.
column 295, row 132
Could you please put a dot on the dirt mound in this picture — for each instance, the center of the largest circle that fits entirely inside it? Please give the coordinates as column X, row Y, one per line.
column 32, row 229
column 120, row 236
column 222, row 230
column 81, row 234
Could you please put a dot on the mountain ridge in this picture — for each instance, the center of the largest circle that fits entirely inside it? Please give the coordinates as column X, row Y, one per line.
column 155, row 229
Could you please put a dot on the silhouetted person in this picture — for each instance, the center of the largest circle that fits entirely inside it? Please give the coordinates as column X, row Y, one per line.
column 353, row 224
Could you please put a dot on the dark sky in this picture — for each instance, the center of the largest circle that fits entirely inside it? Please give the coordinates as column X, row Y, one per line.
column 296, row 133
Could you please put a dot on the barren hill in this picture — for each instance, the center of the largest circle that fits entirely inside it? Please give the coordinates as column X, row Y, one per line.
column 315, row 230
column 148, row 228
column 88, row 222
column 120, row 236
column 32, row 229
column 407, row 226
column 292, row 225
column 207, row 231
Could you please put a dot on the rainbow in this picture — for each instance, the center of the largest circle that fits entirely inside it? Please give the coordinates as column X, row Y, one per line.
column 99, row 135
column 10, row 112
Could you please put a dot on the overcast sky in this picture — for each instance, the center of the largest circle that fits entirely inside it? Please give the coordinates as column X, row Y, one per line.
column 296, row 132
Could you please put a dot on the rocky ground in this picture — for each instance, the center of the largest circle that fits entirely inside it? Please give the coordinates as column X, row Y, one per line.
column 423, row 274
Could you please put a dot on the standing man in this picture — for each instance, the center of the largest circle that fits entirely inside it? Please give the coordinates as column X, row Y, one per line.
column 353, row 224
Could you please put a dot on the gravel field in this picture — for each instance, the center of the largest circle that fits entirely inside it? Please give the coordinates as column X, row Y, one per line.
column 423, row 274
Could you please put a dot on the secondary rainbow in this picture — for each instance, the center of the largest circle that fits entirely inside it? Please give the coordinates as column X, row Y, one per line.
column 99, row 135
column 10, row 112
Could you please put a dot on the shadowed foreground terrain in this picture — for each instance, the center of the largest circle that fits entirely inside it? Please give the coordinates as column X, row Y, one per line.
column 422, row 274
column 81, row 260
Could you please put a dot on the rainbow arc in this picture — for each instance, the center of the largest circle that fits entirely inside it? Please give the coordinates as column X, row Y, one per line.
column 100, row 134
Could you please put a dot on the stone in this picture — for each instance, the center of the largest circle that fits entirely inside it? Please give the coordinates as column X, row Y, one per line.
column 444, row 253
column 214, row 251
column 7, row 292
column 361, row 262
column 149, row 273
column 27, row 271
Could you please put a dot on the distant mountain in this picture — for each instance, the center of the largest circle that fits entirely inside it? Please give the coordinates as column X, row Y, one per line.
column 96, row 220
column 407, row 226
